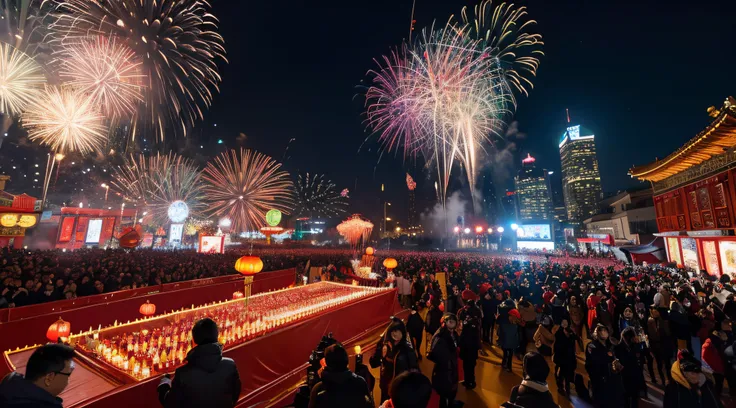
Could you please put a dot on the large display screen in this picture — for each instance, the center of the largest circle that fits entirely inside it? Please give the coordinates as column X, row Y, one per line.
column 728, row 256
column 690, row 254
column 94, row 229
column 536, row 245
column 175, row 232
column 212, row 244
column 536, row 232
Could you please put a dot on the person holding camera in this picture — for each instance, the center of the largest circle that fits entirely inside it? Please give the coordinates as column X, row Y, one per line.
column 443, row 353
column 604, row 370
column 394, row 354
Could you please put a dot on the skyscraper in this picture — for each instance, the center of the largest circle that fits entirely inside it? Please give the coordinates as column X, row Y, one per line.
column 489, row 201
column 412, row 216
column 581, row 180
column 533, row 192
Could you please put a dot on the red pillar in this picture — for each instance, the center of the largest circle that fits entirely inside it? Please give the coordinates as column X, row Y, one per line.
column 4, row 241
column 18, row 242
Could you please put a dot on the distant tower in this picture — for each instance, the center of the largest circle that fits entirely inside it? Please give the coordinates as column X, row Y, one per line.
column 411, row 185
column 581, row 179
column 533, row 192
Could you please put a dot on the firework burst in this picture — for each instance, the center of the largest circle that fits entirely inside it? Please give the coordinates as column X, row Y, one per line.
column 318, row 197
column 243, row 185
column 503, row 32
column 155, row 182
column 107, row 70
column 176, row 41
column 21, row 80
column 65, row 120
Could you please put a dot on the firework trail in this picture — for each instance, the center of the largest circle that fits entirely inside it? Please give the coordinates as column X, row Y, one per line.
column 176, row 42
column 318, row 197
column 21, row 80
column 243, row 185
column 155, row 182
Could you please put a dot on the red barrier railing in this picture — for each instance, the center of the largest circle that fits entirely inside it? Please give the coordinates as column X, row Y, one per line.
column 27, row 325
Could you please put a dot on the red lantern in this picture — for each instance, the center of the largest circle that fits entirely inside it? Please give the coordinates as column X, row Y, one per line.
column 147, row 309
column 369, row 251
column 238, row 295
column 60, row 328
column 390, row 263
column 248, row 265
column 442, row 307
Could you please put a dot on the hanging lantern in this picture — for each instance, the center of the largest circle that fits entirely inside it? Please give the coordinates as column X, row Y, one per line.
column 390, row 263
column 249, row 265
column 60, row 328
column 238, row 295
column 369, row 251
column 147, row 309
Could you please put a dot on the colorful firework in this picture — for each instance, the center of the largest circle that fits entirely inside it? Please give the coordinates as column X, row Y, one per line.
column 318, row 197
column 65, row 120
column 443, row 97
column 503, row 31
column 107, row 70
column 345, row 193
column 176, row 41
column 243, row 185
column 355, row 230
column 21, row 80
column 410, row 183
column 154, row 182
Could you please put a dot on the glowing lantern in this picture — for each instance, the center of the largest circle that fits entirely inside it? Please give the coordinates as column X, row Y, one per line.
column 238, row 295
column 60, row 328
column 248, row 266
column 27, row 221
column 273, row 217
column 147, row 309
column 8, row 220
column 369, row 251
column 390, row 263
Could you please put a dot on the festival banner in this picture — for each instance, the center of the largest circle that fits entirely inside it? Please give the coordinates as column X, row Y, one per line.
column 67, row 227
column 81, row 228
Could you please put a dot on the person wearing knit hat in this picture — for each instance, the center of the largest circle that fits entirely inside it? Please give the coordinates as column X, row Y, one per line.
column 533, row 391
column 689, row 386
column 443, row 353
column 394, row 354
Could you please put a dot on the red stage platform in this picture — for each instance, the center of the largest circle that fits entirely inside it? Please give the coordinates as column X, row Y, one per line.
column 266, row 364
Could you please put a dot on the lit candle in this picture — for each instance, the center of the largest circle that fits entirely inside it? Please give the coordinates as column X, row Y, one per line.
column 146, row 372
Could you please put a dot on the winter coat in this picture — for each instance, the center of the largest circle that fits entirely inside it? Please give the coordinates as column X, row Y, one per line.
column 679, row 393
column 508, row 333
column 469, row 341
column 592, row 303
column 712, row 354
column 564, row 349
column 531, row 394
column 632, row 375
column 528, row 313
column 207, row 379
column 454, row 303
column 433, row 321
column 443, row 353
column 576, row 314
column 605, row 384
column 660, row 337
column 415, row 325
column 400, row 358
column 489, row 307
column 340, row 389
column 17, row 392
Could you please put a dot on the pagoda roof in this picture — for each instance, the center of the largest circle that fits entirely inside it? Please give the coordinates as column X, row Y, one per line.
column 718, row 137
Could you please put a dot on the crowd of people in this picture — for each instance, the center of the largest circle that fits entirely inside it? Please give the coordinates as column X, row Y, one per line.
column 634, row 327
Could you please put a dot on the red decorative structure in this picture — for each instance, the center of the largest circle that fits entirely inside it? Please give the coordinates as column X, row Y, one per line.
column 58, row 329
column 238, row 295
column 248, row 266
column 147, row 309
column 390, row 264
column 355, row 230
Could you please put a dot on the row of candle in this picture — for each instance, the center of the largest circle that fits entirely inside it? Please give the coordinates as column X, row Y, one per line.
column 145, row 353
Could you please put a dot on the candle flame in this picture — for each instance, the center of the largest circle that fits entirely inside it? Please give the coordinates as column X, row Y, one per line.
column 357, row 349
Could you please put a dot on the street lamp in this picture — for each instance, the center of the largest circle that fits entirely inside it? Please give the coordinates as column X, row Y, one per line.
column 456, row 229
column 490, row 230
column 478, row 229
column 466, row 230
column 500, row 230
column 107, row 189
column 514, row 227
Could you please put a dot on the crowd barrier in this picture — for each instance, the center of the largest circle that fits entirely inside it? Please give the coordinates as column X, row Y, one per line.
column 266, row 362
column 27, row 325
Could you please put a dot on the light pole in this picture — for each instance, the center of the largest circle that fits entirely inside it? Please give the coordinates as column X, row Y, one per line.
column 107, row 189
column 500, row 238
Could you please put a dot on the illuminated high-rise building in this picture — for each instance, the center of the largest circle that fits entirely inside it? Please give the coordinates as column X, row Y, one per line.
column 581, row 180
column 533, row 192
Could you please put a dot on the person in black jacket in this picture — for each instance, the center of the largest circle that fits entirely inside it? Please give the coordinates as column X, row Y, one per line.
column 207, row 379
column 415, row 327
column 394, row 354
column 339, row 387
column 564, row 357
column 489, row 305
column 689, row 387
column 533, row 391
column 443, row 353
column 632, row 374
column 47, row 374
column 432, row 322
column 470, row 342
column 604, row 369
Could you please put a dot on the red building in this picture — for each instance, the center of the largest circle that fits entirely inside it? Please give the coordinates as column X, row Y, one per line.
column 82, row 227
column 17, row 214
column 695, row 194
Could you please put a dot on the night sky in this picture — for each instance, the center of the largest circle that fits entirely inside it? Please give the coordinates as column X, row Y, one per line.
column 640, row 74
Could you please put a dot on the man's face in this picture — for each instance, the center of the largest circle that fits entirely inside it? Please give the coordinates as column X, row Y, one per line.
column 451, row 324
column 56, row 382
